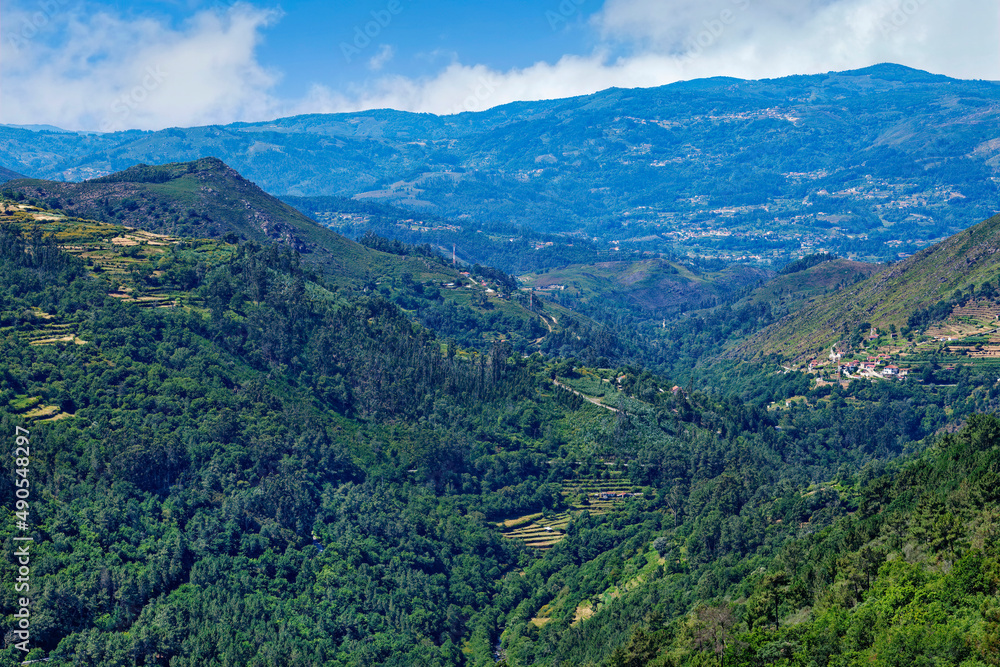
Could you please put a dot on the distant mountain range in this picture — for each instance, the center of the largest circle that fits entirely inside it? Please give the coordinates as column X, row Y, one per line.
column 869, row 163
column 40, row 128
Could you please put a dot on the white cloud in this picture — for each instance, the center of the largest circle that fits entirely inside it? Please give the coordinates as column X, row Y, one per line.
column 460, row 88
column 101, row 71
column 767, row 38
column 384, row 55
column 670, row 27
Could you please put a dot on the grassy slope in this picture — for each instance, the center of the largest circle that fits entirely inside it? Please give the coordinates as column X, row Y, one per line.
column 650, row 283
column 794, row 290
column 118, row 249
column 888, row 297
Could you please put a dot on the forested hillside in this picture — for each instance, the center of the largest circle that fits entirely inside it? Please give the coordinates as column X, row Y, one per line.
column 192, row 457
column 266, row 470
column 911, row 577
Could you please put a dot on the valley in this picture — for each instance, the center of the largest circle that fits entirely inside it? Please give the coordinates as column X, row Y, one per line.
column 697, row 375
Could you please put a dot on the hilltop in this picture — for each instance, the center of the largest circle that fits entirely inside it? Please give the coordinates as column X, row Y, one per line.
column 8, row 175
column 204, row 199
column 656, row 286
column 963, row 263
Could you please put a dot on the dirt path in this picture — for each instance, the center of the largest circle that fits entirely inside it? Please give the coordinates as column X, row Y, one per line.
column 589, row 399
column 547, row 325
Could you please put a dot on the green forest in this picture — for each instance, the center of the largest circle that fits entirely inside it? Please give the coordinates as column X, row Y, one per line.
column 279, row 470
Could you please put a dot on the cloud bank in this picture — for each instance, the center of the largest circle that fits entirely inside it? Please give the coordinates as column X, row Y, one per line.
column 106, row 72
column 103, row 72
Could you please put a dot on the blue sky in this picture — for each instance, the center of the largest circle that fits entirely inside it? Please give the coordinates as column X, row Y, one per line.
column 323, row 41
column 110, row 65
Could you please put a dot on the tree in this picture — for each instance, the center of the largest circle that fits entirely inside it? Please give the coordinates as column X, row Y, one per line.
column 711, row 629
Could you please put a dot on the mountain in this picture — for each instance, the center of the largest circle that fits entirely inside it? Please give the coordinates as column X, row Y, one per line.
column 845, row 162
column 962, row 263
column 206, row 199
column 231, row 461
column 153, row 206
column 8, row 175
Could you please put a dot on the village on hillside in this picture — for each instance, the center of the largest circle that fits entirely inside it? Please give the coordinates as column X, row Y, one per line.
column 969, row 336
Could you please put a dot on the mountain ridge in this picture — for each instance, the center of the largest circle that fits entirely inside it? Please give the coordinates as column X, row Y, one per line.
column 205, row 198
column 8, row 175
column 828, row 161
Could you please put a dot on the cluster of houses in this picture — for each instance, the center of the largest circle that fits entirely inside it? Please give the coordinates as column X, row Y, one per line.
column 877, row 365
column 482, row 283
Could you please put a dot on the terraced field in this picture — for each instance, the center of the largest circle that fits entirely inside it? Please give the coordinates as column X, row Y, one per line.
column 540, row 533
column 596, row 496
column 602, row 495
column 32, row 408
column 52, row 333
column 120, row 254
column 131, row 261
